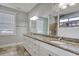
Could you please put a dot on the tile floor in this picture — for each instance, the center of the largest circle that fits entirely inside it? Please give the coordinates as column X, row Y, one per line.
column 13, row 51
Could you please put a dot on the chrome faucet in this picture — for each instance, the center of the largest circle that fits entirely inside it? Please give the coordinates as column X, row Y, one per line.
column 60, row 38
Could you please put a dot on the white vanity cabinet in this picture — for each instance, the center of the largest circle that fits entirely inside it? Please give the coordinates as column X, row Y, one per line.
column 31, row 46
column 38, row 48
column 53, row 51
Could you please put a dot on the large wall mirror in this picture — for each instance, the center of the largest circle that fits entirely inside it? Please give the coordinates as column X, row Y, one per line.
column 39, row 25
column 63, row 21
column 69, row 23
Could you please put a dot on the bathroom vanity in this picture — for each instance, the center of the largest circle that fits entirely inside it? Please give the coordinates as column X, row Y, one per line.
column 41, row 45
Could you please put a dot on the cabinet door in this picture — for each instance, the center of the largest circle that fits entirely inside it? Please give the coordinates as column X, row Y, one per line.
column 43, row 51
column 35, row 46
column 28, row 45
column 31, row 46
column 38, row 48
column 49, row 50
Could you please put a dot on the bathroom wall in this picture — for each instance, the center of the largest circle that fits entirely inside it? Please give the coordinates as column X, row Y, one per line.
column 42, row 10
column 21, row 27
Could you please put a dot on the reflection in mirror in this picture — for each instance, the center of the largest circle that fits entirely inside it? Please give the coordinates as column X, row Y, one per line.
column 39, row 25
column 61, row 21
column 69, row 22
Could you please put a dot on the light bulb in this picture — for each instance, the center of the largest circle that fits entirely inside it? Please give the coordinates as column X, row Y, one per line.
column 71, row 4
column 63, row 5
column 34, row 18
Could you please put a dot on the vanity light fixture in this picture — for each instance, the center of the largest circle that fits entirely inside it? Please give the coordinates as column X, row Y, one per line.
column 65, row 5
column 62, row 6
column 34, row 18
column 71, row 4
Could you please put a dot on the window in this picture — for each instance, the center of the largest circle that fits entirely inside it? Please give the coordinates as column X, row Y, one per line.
column 64, row 22
column 70, row 22
column 7, row 24
column 74, row 19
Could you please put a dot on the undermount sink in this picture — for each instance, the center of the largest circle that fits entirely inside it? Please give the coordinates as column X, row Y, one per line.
column 57, row 42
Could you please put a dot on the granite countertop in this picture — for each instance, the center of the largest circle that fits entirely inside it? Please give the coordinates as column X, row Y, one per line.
column 66, row 45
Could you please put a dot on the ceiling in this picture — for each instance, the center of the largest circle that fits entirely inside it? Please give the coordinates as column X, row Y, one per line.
column 26, row 7
column 68, row 10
